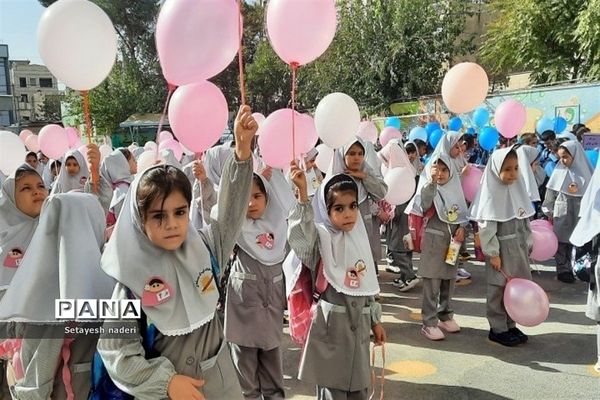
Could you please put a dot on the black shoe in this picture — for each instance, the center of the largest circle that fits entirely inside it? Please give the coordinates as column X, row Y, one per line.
column 504, row 338
column 519, row 334
column 566, row 277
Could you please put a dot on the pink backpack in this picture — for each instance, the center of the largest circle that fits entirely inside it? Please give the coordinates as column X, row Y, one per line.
column 302, row 302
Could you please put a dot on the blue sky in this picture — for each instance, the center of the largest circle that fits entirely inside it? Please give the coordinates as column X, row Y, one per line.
column 18, row 27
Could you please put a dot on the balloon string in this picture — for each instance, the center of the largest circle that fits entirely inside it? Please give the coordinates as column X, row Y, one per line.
column 88, row 130
column 294, row 69
column 241, row 57
column 163, row 116
column 508, row 278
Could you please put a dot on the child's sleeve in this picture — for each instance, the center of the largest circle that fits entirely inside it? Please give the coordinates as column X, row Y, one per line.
column 427, row 195
column 487, row 236
column 375, row 311
column 234, row 192
column 204, row 197
column 375, row 185
column 302, row 234
column 124, row 359
column 549, row 200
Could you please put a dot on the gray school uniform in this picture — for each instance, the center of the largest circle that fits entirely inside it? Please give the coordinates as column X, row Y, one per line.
column 398, row 254
column 564, row 210
column 336, row 353
column 201, row 354
column 376, row 189
column 254, row 324
column 438, row 277
column 592, row 310
column 511, row 240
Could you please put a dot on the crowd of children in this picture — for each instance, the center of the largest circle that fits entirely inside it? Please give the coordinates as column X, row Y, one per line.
column 202, row 245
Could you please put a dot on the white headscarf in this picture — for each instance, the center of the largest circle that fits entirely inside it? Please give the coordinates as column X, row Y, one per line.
column 588, row 225
column 528, row 155
column 366, row 167
column 177, row 287
column 446, row 143
column 66, row 183
column 115, row 170
column 497, row 201
column 16, row 230
column 264, row 239
column 393, row 155
column 347, row 260
column 417, row 162
column 62, row 262
column 573, row 180
column 168, row 158
column 214, row 161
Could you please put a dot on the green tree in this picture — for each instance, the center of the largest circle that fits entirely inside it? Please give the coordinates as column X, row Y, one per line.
column 50, row 108
column 554, row 39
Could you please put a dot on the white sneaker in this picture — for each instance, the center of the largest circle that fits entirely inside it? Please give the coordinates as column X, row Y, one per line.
column 449, row 326
column 463, row 273
column 410, row 284
column 597, row 366
column 432, row 332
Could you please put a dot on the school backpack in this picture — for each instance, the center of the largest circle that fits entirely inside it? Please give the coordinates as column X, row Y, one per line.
column 302, row 302
column 417, row 225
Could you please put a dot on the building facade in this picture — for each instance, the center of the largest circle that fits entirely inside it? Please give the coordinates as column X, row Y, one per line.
column 35, row 92
column 7, row 115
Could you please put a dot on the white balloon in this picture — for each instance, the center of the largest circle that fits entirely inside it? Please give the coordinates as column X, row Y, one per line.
column 150, row 145
column 146, row 160
column 12, row 152
column 77, row 42
column 401, row 185
column 324, row 158
column 337, row 119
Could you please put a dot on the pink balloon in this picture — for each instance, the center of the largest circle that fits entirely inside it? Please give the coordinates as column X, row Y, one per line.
column 196, row 39
column 53, row 141
column 388, row 133
column 300, row 31
column 275, row 139
column 545, row 244
column 78, row 143
column 305, row 126
column 72, row 137
column 198, row 114
column 539, row 224
column 401, row 185
column 164, row 136
column 510, row 117
column 368, row 131
column 464, row 87
column 32, row 143
column 25, row 133
column 471, row 182
column 526, row 302
column 174, row 145
column 259, row 118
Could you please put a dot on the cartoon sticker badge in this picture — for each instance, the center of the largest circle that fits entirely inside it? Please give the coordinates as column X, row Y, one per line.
column 452, row 213
column 13, row 258
column 266, row 241
column 573, row 188
column 156, row 292
column 521, row 212
column 355, row 274
column 205, row 282
column 82, row 180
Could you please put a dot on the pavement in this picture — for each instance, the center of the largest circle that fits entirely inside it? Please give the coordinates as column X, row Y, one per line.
column 556, row 363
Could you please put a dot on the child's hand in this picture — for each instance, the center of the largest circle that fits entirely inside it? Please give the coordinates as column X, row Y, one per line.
column 465, row 170
column 459, row 235
column 267, row 173
column 379, row 336
column 299, row 178
column 199, row 171
column 496, row 263
column 93, row 156
column 245, row 128
column 183, row 387
column 434, row 173
column 356, row 174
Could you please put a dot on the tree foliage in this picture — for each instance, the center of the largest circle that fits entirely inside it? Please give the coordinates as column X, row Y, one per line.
column 554, row 39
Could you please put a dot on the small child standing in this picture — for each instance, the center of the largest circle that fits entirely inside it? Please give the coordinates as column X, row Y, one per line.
column 443, row 191
column 502, row 209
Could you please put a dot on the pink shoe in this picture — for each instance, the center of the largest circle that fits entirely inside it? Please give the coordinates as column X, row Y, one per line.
column 432, row 332
column 449, row 326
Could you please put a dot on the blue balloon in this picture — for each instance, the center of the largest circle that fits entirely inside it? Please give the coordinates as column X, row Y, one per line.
column 471, row 131
column 544, row 124
column 488, row 138
column 394, row 122
column 418, row 133
column 432, row 127
column 592, row 155
column 481, row 116
column 455, row 124
column 435, row 138
column 560, row 124
column 549, row 168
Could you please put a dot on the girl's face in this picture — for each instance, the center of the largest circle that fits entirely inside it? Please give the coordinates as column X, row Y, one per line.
column 509, row 173
column 132, row 165
column 456, row 150
column 167, row 227
column 565, row 157
column 344, row 211
column 72, row 166
column 55, row 170
column 355, row 157
column 32, row 161
column 412, row 156
column 257, row 203
column 30, row 194
column 443, row 173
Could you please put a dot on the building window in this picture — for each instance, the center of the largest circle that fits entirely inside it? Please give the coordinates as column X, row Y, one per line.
column 46, row 82
column 32, row 82
column 24, row 98
column 23, row 82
